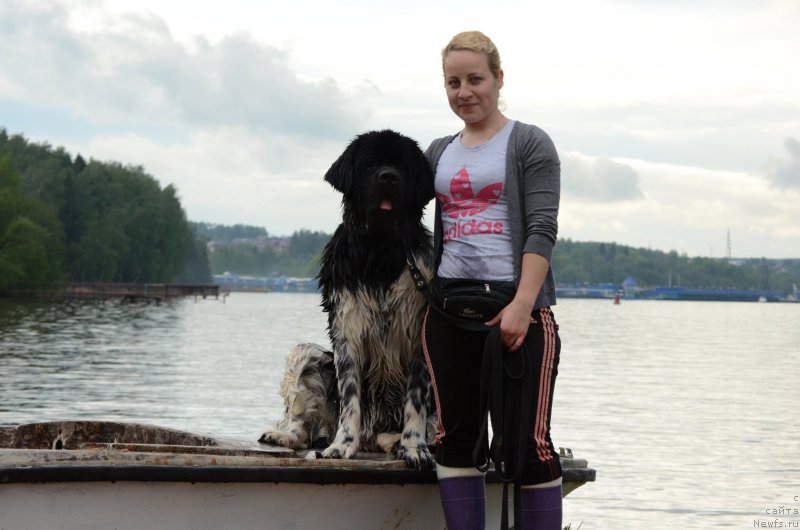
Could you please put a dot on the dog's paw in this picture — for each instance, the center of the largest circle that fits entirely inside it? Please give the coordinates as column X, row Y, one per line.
column 285, row 439
column 340, row 450
column 417, row 457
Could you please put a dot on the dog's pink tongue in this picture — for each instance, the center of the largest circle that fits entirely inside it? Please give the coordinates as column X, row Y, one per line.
column 386, row 204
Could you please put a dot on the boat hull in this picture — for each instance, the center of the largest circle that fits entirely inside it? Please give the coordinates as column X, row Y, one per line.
column 124, row 476
column 185, row 505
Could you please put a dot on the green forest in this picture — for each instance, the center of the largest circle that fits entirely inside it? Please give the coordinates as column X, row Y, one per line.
column 63, row 219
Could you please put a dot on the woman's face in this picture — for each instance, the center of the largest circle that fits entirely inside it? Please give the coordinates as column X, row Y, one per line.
column 472, row 90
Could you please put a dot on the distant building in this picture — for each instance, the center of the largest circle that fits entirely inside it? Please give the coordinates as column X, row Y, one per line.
column 279, row 245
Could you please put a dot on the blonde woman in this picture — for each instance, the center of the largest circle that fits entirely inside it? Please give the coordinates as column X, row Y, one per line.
column 497, row 189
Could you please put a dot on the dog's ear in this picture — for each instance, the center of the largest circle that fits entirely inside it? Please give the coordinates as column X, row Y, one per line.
column 340, row 174
column 425, row 187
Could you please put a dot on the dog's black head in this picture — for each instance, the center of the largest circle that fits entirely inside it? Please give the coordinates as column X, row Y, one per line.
column 384, row 179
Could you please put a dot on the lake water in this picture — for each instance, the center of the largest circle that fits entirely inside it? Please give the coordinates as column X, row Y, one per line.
column 687, row 410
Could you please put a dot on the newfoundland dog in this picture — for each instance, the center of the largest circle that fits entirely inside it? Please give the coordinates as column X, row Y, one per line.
column 373, row 391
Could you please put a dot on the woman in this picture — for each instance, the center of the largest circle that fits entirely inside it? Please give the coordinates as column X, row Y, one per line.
column 497, row 190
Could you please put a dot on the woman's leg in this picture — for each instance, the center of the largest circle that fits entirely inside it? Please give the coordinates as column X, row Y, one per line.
column 454, row 359
column 454, row 362
column 541, row 491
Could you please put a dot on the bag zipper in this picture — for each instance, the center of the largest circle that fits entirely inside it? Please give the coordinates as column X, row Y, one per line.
column 486, row 287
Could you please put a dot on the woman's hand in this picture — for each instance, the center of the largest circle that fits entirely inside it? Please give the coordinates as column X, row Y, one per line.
column 514, row 320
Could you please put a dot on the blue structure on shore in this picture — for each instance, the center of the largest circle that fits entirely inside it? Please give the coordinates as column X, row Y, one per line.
column 630, row 291
column 716, row 295
column 283, row 284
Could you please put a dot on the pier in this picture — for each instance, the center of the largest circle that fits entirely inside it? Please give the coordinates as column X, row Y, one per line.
column 129, row 292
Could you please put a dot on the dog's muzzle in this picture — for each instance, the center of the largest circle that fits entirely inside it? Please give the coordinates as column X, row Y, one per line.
column 389, row 175
column 389, row 181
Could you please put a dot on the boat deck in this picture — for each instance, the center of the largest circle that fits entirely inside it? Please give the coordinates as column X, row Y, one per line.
column 109, row 451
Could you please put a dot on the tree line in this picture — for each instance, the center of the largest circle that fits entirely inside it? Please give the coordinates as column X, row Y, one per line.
column 63, row 219
column 228, row 233
column 574, row 263
column 250, row 251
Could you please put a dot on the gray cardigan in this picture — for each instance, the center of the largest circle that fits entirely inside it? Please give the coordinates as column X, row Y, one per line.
column 532, row 186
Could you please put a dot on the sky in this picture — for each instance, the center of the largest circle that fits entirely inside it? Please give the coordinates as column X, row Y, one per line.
column 677, row 123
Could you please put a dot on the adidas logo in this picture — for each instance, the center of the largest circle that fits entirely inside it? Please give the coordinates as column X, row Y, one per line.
column 464, row 201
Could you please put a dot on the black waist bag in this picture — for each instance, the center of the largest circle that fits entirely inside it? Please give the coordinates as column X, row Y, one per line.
column 473, row 300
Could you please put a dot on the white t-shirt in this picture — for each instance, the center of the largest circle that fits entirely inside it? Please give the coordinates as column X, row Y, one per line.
column 470, row 185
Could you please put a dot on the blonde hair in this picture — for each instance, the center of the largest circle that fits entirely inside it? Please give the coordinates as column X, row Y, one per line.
column 477, row 42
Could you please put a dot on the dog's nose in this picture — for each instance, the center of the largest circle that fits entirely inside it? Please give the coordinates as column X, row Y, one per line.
column 388, row 176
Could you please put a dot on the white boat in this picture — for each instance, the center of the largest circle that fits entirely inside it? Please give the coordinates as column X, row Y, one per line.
column 104, row 475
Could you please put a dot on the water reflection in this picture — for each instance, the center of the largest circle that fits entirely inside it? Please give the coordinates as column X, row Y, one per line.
column 183, row 364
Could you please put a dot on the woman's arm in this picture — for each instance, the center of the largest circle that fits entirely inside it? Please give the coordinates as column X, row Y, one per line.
column 541, row 176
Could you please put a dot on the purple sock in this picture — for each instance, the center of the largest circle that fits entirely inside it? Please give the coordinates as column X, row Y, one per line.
column 464, row 502
column 541, row 509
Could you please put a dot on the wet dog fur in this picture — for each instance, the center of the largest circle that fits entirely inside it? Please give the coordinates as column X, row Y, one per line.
column 372, row 392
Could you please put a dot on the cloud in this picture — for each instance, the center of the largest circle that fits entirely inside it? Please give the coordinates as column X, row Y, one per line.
column 228, row 175
column 786, row 173
column 133, row 69
column 725, row 134
column 598, row 179
column 691, row 210
column 244, row 108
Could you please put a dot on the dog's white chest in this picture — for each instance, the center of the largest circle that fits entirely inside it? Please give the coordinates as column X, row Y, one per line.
column 374, row 325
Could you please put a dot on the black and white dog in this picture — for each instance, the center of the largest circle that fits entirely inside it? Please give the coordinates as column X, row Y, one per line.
column 373, row 390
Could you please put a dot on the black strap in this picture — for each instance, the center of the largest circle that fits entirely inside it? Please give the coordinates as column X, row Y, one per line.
column 506, row 388
column 423, row 287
